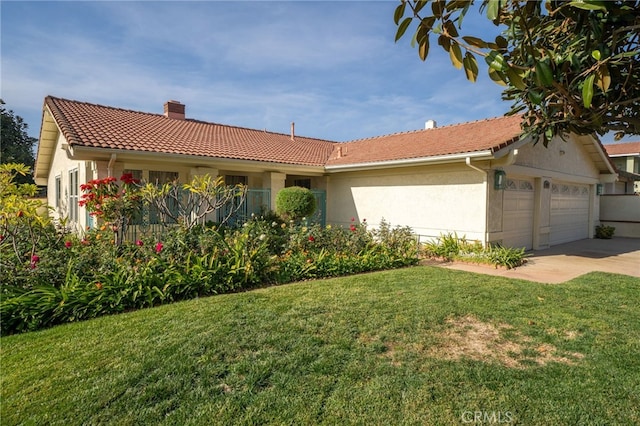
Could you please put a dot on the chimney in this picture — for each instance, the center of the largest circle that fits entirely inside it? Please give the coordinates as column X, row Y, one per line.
column 293, row 130
column 174, row 109
column 430, row 124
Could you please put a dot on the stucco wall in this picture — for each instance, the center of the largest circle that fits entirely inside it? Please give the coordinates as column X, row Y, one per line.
column 430, row 200
column 621, row 212
column 562, row 160
column 61, row 165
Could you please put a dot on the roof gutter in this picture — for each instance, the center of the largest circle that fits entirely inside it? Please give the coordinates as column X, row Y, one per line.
column 441, row 159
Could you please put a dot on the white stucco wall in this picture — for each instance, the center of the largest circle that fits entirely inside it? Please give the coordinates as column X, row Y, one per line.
column 431, row 200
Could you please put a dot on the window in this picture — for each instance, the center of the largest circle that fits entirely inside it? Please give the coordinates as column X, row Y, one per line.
column 303, row 183
column 73, row 195
column 136, row 174
column 58, row 191
column 235, row 180
column 160, row 178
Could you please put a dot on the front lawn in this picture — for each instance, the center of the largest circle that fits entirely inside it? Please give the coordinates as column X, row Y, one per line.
column 421, row 345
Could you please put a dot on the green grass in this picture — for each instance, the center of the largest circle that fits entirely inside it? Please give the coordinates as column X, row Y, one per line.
column 366, row 349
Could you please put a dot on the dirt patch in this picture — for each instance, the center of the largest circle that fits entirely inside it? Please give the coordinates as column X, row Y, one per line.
column 470, row 338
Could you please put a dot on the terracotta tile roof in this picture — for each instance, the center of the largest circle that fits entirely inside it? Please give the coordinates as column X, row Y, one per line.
column 100, row 126
column 491, row 134
column 627, row 148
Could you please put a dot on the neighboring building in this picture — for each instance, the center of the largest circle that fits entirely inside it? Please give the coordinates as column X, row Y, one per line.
column 478, row 179
column 626, row 158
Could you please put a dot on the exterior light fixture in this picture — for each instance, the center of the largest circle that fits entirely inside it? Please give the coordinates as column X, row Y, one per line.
column 499, row 179
column 599, row 189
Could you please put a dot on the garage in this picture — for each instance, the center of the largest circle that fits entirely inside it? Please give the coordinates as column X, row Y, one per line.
column 517, row 217
column 569, row 212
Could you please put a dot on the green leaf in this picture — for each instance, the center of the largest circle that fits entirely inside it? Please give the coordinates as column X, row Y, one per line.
column 544, row 74
column 451, row 28
column 419, row 5
column 423, row 49
column 515, row 79
column 399, row 12
column 497, row 77
column 493, row 9
column 587, row 91
column 470, row 67
column 535, row 97
column 456, row 55
column 475, row 41
column 437, row 7
column 402, row 28
column 589, row 5
column 495, row 60
column 596, row 55
column 502, row 42
column 445, row 42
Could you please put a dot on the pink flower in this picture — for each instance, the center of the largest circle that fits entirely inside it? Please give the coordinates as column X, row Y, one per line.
column 353, row 219
column 67, row 244
column 159, row 247
column 352, row 228
column 139, row 243
column 34, row 261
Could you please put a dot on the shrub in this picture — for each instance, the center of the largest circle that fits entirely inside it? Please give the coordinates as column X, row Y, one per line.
column 295, row 202
column 450, row 247
column 605, row 232
column 77, row 278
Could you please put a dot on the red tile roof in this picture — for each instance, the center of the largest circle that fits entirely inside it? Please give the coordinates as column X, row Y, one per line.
column 627, row 148
column 491, row 135
column 98, row 126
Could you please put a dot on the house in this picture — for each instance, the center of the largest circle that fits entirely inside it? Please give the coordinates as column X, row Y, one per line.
column 478, row 179
column 626, row 158
column 620, row 205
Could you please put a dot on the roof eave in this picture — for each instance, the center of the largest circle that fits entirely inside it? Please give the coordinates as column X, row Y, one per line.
column 103, row 154
column 421, row 161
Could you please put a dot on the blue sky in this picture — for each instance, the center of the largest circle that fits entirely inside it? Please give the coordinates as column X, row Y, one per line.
column 331, row 67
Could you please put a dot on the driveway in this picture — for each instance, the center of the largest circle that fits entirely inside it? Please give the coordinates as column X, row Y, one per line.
column 567, row 261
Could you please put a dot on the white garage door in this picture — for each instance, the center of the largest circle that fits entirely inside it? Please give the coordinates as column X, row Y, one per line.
column 569, row 212
column 517, row 213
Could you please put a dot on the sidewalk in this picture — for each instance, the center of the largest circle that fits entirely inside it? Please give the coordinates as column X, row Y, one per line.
column 567, row 261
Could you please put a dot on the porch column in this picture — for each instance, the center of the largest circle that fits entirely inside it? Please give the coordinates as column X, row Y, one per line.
column 275, row 182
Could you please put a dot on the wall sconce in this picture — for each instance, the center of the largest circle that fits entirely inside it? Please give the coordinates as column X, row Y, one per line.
column 546, row 184
column 599, row 189
column 499, row 179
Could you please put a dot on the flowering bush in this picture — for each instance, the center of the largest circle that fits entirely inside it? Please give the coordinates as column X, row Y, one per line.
column 115, row 204
column 75, row 278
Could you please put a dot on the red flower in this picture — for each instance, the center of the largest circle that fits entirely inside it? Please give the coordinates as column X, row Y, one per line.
column 34, row 261
column 67, row 244
column 311, row 238
column 352, row 228
column 159, row 247
column 353, row 219
column 139, row 243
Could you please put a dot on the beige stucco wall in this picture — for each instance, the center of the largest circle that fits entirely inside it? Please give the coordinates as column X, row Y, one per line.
column 432, row 200
column 621, row 212
column 61, row 165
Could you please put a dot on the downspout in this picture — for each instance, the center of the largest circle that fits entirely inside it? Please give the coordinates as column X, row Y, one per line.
column 486, row 198
column 112, row 160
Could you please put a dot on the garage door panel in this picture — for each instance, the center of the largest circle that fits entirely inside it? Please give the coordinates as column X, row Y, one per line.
column 569, row 212
column 518, row 202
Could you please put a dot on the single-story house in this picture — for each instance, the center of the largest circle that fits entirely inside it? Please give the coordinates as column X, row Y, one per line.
column 479, row 179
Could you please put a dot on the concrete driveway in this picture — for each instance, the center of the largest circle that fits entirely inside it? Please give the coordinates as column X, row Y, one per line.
column 567, row 261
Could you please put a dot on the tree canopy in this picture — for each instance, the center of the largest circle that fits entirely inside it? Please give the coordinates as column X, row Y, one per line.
column 17, row 145
column 567, row 66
